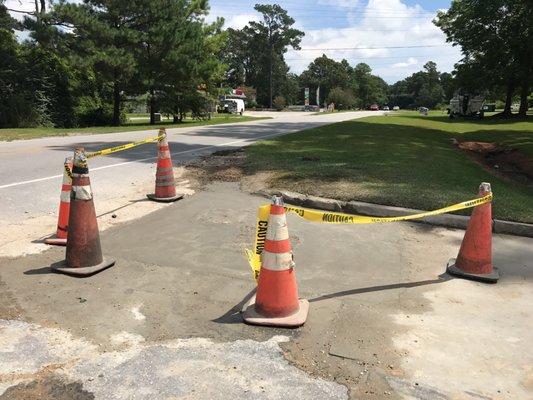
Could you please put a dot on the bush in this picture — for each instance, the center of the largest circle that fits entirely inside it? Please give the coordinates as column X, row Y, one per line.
column 343, row 99
column 279, row 103
column 251, row 104
column 90, row 111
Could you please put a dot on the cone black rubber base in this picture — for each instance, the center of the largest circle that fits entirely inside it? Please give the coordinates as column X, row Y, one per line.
column 85, row 271
column 55, row 241
column 151, row 196
column 252, row 317
column 487, row 278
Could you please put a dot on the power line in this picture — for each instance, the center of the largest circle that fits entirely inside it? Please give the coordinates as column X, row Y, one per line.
column 370, row 57
column 345, row 16
column 372, row 48
column 321, row 10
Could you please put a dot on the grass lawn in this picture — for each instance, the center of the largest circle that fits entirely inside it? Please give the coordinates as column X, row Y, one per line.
column 402, row 160
column 137, row 125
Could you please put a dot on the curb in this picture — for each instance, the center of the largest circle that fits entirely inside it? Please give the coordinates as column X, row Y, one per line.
column 378, row 210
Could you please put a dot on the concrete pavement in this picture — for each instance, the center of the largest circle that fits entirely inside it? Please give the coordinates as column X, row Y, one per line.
column 30, row 170
column 384, row 323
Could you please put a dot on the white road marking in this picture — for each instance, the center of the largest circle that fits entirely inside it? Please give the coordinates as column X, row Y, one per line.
column 31, row 181
column 144, row 159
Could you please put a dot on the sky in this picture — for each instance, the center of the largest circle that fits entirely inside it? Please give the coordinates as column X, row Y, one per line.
column 367, row 25
column 395, row 37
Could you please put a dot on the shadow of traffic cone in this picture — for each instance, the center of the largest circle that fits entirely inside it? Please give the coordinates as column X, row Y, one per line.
column 84, row 253
column 276, row 302
column 165, row 188
column 60, row 238
column 475, row 255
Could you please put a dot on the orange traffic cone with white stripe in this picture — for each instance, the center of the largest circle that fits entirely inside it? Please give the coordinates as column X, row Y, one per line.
column 84, row 253
column 60, row 239
column 165, row 188
column 475, row 255
column 276, row 302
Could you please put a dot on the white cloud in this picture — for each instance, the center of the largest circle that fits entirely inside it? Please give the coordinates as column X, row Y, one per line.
column 20, row 5
column 379, row 24
column 410, row 61
column 239, row 21
column 341, row 3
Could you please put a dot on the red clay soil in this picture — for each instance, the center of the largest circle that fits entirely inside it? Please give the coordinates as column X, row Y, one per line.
column 502, row 161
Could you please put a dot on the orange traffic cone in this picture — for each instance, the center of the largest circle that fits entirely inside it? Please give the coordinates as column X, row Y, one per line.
column 475, row 255
column 165, row 189
column 276, row 302
column 60, row 238
column 84, row 253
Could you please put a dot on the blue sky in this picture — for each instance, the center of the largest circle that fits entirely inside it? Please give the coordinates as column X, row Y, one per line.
column 358, row 30
column 362, row 29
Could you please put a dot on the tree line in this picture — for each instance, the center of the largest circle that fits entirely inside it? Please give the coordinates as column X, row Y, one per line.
column 86, row 63
column 83, row 61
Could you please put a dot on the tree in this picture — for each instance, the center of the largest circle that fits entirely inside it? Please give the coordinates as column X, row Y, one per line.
column 422, row 89
column 496, row 36
column 9, row 65
column 104, row 32
column 326, row 73
column 255, row 54
column 291, row 88
column 170, row 35
column 448, row 85
column 35, row 81
column 277, row 34
column 192, row 70
column 370, row 88
column 343, row 99
column 238, row 60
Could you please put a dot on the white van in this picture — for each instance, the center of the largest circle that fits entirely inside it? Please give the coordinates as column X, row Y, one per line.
column 233, row 106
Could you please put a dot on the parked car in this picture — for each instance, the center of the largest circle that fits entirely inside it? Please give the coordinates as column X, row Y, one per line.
column 395, row 108
column 386, row 108
column 374, row 107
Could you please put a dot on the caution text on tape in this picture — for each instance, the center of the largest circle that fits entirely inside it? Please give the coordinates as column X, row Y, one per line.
column 254, row 256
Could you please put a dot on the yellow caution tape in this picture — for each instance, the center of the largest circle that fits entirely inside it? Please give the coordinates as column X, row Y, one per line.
column 122, row 147
column 254, row 257
column 341, row 218
column 116, row 149
column 68, row 171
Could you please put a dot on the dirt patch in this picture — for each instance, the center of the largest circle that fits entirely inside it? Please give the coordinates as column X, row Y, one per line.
column 225, row 166
column 501, row 161
column 49, row 388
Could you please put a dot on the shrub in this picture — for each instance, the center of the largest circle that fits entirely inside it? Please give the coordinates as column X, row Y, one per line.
column 343, row 99
column 279, row 103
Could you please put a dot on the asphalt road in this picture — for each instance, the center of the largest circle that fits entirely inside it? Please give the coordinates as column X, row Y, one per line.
column 31, row 170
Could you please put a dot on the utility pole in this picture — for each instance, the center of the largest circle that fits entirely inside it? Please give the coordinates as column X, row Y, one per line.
column 270, row 72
